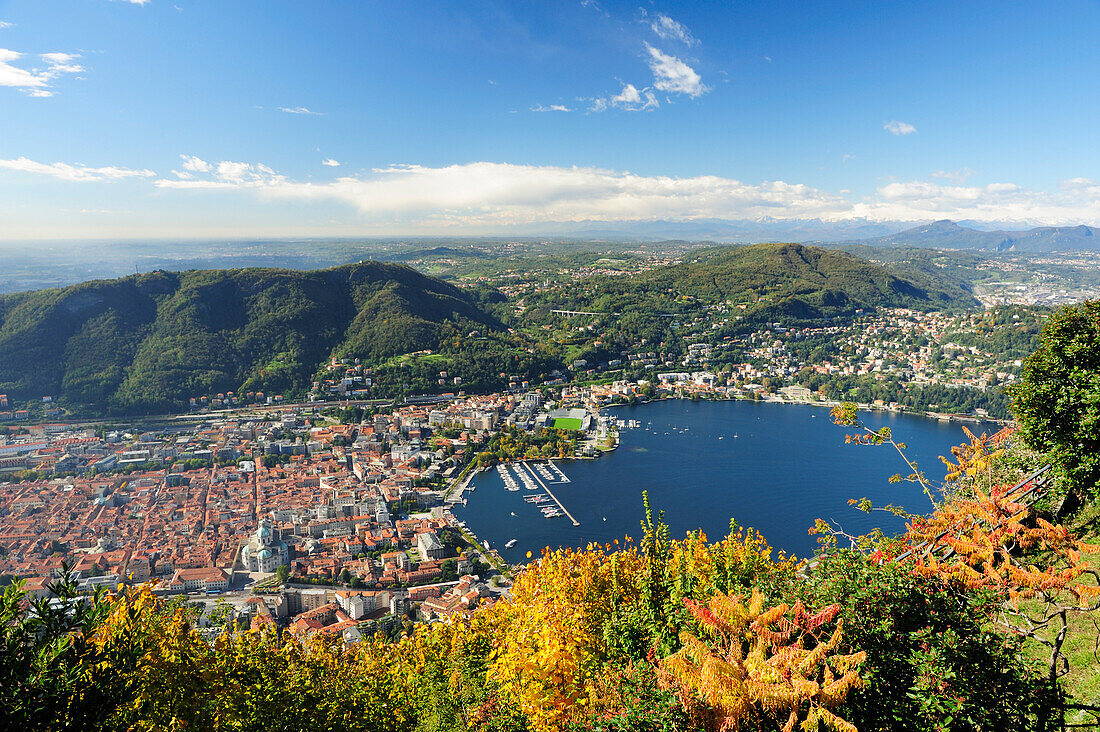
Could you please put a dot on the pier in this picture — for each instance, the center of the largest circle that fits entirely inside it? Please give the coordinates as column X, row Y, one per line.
column 561, row 476
column 549, row 493
column 454, row 493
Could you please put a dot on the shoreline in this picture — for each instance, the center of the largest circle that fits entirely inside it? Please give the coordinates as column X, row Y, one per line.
column 939, row 416
column 826, row 404
column 453, row 495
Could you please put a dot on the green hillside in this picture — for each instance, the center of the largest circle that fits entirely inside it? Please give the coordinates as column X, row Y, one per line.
column 149, row 342
column 781, row 281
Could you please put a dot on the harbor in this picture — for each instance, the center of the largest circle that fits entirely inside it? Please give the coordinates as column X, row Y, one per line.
column 552, row 496
column 702, row 464
column 535, row 479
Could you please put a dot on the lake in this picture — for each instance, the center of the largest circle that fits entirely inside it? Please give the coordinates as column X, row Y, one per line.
column 775, row 467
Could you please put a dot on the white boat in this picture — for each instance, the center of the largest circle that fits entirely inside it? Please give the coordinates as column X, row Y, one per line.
column 510, row 544
column 486, row 544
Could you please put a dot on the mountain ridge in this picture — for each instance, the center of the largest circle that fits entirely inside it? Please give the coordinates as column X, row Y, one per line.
column 947, row 234
column 148, row 342
column 797, row 281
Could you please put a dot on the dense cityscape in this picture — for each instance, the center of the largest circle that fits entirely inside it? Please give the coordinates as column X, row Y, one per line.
column 589, row 366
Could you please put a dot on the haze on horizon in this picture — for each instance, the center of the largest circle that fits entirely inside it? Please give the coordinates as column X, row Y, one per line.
column 176, row 119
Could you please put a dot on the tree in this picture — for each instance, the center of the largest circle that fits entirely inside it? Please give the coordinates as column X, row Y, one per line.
column 221, row 614
column 754, row 663
column 1057, row 400
column 283, row 573
column 42, row 641
column 988, row 542
column 448, row 570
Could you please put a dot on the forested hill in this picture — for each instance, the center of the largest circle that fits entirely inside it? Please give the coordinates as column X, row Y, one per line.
column 148, row 342
column 777, row 281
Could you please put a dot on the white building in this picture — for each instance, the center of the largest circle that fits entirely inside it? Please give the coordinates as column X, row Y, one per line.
column 263, row 552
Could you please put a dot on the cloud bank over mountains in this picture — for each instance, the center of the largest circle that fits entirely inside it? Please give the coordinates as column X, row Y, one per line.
column 502, row 194
column 496, row 195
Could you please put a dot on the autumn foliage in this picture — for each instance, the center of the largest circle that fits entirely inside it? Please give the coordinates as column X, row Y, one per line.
column 646, row 634
column 753, row 663
column 991, row 541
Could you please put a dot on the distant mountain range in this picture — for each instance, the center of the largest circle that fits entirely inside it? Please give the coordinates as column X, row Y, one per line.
column 950, row 235
column 740, row 231
column 944, row 234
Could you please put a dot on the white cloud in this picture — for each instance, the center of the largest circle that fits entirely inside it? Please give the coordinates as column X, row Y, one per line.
column 667, row 28
column 501, row 193
column 1077, row 200
column 670, row 74
column 629, row 99
column 894, row 127
column 330, row 163
column 225, row 174
column 136, row 2
column 550, row 108
column 5, row 24
column 487, row 195
column 955, row 176
column 11, row 75
column 65, row 171
column 35, row 81
column 298, row 110
column 195, row 164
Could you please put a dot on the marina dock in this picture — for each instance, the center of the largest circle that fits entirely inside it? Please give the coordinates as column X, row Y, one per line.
column 550, row 493
column 561, row 476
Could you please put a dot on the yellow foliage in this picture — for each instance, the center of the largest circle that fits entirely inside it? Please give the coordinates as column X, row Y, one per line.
column 769, row 663
column 548, row 651
column 974, row 457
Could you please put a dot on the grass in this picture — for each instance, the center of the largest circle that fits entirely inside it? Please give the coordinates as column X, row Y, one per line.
column 567, row 423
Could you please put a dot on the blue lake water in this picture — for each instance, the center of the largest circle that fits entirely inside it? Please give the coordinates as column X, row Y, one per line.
column 774, row 467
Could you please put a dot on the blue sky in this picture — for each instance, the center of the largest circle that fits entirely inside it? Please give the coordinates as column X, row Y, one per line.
column 176, row 118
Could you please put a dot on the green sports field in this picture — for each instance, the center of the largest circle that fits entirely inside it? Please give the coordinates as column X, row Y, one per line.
column 567, row 423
